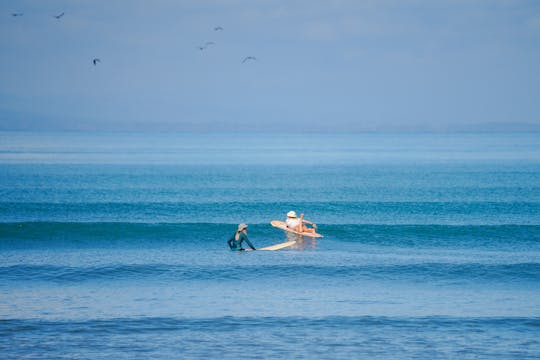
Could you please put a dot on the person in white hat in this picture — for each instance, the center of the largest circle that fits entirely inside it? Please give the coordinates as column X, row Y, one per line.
column 235, row 242
column 297, row 223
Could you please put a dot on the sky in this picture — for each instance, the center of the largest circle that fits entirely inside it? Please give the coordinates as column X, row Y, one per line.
column 343, row 66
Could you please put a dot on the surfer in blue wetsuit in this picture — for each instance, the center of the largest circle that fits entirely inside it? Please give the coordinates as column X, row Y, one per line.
column 235, row 243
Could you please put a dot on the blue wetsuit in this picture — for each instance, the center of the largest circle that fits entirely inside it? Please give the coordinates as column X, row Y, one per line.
column 237, row 244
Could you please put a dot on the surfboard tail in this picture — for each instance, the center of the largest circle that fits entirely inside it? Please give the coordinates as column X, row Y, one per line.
column 278, row 246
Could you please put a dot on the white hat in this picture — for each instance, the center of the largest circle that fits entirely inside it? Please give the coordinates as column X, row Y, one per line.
column 291, row 214
column 242, row 227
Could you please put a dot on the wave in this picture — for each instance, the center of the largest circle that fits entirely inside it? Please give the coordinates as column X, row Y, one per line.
column 228, row 337
column 225, row 323
column 448, row 273
column 90, row 234
column 330, row 212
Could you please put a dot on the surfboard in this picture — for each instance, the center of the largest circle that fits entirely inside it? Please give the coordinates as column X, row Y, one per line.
column 276, row 247
column 283, row 226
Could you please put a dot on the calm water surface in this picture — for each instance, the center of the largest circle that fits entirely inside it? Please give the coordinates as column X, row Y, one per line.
column 114, row 245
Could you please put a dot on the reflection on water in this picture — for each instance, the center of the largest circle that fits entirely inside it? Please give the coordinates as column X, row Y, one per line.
column 302, row 242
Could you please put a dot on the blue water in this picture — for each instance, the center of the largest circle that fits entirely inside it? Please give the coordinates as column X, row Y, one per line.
column 114, row 246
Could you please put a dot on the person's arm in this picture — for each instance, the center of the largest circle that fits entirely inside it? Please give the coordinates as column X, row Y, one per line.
column 231, row 243
column 245, row 238
column 306, row 221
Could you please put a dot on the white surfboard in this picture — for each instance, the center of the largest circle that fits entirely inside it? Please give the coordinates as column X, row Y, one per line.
column 283, row 226
column 276, row 247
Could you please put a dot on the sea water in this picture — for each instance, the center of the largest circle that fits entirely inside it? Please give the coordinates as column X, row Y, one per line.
column 113, row 245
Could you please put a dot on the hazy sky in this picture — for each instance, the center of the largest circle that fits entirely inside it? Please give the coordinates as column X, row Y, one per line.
column 351, row 65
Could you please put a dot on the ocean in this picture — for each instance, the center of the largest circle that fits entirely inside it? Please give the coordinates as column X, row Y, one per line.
column 114, row 245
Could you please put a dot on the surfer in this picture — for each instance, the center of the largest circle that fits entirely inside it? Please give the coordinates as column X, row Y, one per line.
column 297, row 223
column 235, row 242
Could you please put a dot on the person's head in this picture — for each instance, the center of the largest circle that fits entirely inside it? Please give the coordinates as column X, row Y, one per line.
column 241, row 227
column 291, row 214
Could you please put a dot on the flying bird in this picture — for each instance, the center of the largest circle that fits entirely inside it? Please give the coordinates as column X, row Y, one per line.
column 58, row 16
column 218, row 28
column 95, row 61
column 208, row 43
column 249, row 58
column 17, row 14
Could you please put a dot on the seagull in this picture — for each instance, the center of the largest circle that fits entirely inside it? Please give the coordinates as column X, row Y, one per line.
column 249, row 58
column 218, row 28
column 17, row 14
column 95, row 61
column 58, row 16
column 208, row 43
